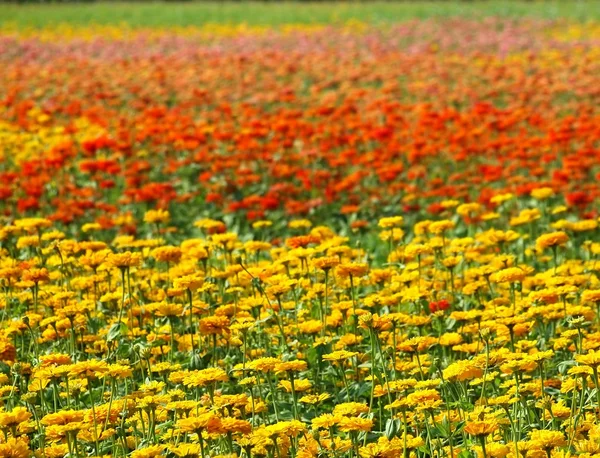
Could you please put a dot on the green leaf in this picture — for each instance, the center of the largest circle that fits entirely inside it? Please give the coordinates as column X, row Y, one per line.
column 466, row 454
column 116, row 330
column 391, row 427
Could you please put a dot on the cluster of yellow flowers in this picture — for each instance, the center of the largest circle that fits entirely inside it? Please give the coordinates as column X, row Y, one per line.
column 430, row 344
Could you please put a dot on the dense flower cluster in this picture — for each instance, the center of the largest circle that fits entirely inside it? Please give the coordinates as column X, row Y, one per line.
column 321, row 242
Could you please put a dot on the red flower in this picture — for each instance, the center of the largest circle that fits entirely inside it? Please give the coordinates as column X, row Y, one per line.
column 578, row 198
column 442, row 305
column 435, row 208
column 213, row 197
column 107, row 184
column 27, row 203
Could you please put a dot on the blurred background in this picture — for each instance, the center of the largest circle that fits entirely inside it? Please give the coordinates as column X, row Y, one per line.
column 194, row 13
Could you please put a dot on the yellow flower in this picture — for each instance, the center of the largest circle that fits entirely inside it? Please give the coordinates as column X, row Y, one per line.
column 15, row 417
column 169, row 309
column 119, row 371
column 351, row 269
column 32, row 224
column 439, row 227
column 261, row 224
column 509, row 275
column 339, row 355
column 267, row 364
column 214, row 325
column 185, row 450
column 235, row 425
column 542, row 193
column 63, row 417
column 413, row 250
column 422, row 396
column 391, row 222
column 124, row 260
column 291, row 366
column 462, row 370
column 481, row 428
column 300, row 385
column 583, row 226
column 526, row 216
column 348, row 424
column 469, row 209
column 208, row 224
column 252, row 246
column 191, row 282
column 350, row 409
column 170, row 254
column 206, row 421
column 314, row 398
column 591, row 296
column 326, row 263
column 15, row 448
column 325, row 421
column 300, row 224
column 285, row 428
column 157, row 216
column 499, row 236
column 151, row 451
column 205, row 377
column 548, row 440
column 591, row 359
column 552, row 239
column 501, row 198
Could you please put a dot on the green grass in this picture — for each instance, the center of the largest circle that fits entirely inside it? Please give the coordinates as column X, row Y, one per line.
column 254, row 13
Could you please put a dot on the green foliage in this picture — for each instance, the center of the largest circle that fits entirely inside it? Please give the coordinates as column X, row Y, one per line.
column 159, row 14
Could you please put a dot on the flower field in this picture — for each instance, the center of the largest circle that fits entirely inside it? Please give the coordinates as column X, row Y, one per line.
column 301, row 241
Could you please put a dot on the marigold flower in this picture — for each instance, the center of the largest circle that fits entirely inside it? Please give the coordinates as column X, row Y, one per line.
column 157, row 216
column 551, row 240
column 542, row 193
column 548, row 440
column 62, row 417
column 291, row 366
column 214, row 325
column 299, row 385
column 591, row 359
column 390, row 222
column 205, row 377
column 439, row 227
column 170, row 254
column 326, row 263
column 314, row 398
column 339, row 355
column 264, row 364
column 185, row 450
column 15, row 417
column 124, row 260
column 15, row 448
column 205, row 422
column 509, row 275
column 191, row 282
column 350, row 409
column 481, row 428
column 462, row 370
column 355, row 424
column 353, row 269
column 169, row 309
